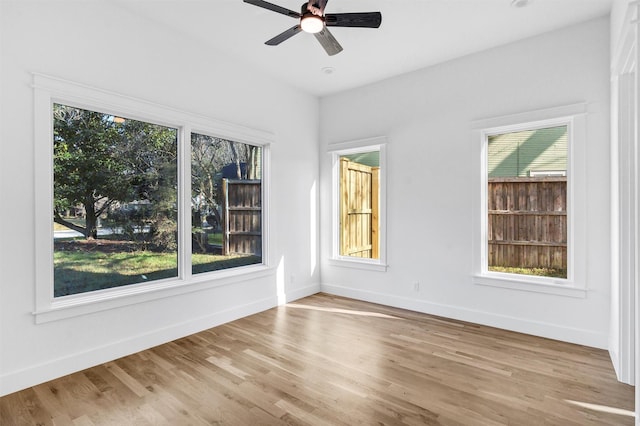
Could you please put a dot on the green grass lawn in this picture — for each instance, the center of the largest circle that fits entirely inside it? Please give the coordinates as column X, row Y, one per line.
column 80, row 271
column 214, row 262
column 540, row 272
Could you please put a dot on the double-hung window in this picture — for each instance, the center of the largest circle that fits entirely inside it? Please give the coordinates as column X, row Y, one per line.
column 529, row 212
column 137, row 201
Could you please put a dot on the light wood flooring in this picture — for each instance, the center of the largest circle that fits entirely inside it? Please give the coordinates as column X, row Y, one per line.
column 327, row 360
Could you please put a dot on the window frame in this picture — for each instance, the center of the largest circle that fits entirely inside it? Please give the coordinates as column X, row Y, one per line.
column 574, row 117
column 354, row 147
column 48, row 91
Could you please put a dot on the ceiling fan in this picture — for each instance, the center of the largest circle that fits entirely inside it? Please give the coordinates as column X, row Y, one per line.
column 312, row 19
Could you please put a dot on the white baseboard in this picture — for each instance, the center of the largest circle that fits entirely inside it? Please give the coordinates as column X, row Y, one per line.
column 536, row 328
column 615, row 361
column 302, row 292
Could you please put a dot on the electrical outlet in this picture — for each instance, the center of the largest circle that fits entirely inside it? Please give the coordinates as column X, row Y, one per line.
column 416, row 286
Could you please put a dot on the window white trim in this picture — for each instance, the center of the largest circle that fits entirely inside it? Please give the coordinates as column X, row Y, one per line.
column 353, row 147
column 50, row 90
column 574, row 117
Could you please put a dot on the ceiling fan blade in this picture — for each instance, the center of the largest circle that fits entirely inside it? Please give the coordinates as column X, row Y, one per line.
column 328, row 41
column 284, row 36
column 363, row 20
column 318, row 5
column 274, row 8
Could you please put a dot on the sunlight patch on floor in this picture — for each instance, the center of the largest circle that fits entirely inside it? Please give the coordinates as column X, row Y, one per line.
column 602, row 408
column 341, row 311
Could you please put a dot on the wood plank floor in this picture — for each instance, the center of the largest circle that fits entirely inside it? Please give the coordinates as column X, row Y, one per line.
column 326, row 360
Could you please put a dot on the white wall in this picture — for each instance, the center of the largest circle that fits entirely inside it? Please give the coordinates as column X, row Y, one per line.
column 618, row 11
column 104, row 46
column 426, row 116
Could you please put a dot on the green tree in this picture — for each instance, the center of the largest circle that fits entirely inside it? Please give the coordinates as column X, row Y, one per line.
column 101, row 162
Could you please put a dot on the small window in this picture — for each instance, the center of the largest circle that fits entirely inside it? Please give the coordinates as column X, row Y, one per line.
column 359, row 204
column 115, row 201
column 226, row 204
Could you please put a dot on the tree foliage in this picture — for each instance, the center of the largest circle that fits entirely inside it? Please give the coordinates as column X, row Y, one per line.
column 126, row 170
column 102, row 162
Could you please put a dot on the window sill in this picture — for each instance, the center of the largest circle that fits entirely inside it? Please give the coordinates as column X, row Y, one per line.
column 368, row 265
column 557, row 287
column 102, row 300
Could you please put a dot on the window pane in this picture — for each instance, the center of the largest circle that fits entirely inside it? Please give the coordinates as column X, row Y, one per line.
column 115, row 201
column 527, row 202
column 359, row 205
column 226, row 204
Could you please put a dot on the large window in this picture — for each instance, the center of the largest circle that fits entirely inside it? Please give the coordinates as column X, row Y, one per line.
column 359, row 231
column 115, row 197
column 134, row 204
column 529, row 210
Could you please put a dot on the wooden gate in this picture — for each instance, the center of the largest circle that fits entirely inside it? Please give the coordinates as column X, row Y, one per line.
column 242, row 217
column 359, row 193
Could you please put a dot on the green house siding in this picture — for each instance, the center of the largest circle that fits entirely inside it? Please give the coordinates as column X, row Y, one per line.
column 371, row 159
column 517, row 154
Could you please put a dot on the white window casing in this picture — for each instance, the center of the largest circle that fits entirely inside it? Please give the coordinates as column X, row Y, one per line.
column 574, row 117
column 353, row 147
column 49, row 90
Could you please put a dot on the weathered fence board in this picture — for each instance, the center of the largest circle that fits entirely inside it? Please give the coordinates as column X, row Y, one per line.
column 527, row 222
column 242, row 217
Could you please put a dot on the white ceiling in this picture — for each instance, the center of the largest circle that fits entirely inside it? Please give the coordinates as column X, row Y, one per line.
column 414, row 34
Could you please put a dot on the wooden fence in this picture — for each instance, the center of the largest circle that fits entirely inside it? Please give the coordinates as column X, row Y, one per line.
column 359, row 209
column 527, row 223
column 242, row 217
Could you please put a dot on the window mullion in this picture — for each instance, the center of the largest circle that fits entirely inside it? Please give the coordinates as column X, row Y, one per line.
column 184, row 209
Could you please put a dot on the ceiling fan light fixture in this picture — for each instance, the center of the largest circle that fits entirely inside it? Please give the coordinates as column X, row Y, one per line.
column 311, row 23
column 312, row 19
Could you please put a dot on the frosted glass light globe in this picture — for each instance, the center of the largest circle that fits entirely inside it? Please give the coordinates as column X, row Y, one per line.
column 311, row 24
